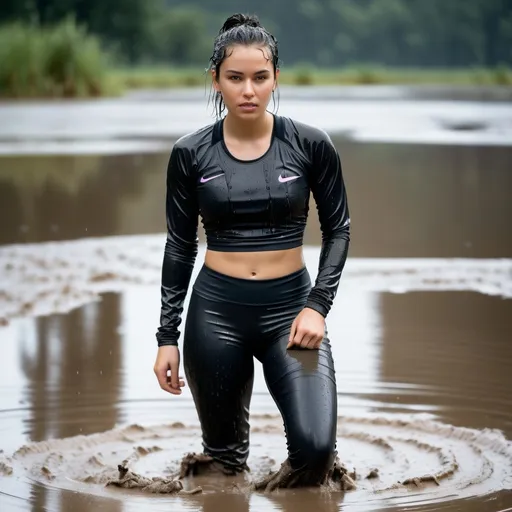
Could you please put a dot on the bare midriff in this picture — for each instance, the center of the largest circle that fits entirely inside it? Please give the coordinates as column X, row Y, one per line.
column 256, row 265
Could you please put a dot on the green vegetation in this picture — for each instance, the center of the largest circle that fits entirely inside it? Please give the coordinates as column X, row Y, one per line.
column 159, row 77
column 52, row 62
column 168, row 43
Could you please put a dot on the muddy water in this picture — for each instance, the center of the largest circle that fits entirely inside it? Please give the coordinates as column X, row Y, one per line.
column 421, row 333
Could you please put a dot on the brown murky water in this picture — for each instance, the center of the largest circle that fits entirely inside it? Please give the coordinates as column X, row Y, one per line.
column 421, row 334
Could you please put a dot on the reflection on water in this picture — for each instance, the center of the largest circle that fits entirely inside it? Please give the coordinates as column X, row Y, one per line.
column 421, row 201
column 405, row 201
column 459, row 345
column 447, row 354
column 72, row 385
column 76, row 363
column 413, row 353
column 64, row 197
column 300, row 501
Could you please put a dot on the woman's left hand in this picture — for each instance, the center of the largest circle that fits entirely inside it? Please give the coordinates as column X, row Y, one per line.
column 307, row 330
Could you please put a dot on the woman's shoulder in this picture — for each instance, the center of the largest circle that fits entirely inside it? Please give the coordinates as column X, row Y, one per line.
column 190, row 148
column 193, row 140
column 295, row 130
column 302, row 136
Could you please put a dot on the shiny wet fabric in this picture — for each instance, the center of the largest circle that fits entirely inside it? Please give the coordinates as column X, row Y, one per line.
column 252, row 205
column 230, row 322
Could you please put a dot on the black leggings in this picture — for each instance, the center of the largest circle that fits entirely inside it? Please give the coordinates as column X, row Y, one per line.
column 229, row 322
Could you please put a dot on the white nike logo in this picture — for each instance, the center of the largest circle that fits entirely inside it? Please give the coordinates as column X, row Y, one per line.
column 204, row 180
column 288, row 178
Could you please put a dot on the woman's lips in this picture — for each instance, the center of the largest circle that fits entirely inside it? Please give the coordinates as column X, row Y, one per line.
column 248, row 106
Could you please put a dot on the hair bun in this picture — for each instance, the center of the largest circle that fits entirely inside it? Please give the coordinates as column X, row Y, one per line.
column 237, row 20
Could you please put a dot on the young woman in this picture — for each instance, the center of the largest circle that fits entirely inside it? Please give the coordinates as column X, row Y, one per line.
column 249, row 176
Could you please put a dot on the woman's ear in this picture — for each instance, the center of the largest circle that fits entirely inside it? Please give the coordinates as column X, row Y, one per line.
column 275, row 80
column 214, row 81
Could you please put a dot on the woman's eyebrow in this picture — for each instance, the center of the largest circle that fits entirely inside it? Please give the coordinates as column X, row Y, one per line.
column 240, row 72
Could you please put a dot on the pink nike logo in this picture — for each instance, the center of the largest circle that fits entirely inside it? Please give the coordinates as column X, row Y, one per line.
column 288, row 178
column 204, row 180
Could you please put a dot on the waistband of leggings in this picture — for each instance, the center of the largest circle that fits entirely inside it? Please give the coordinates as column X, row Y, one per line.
column 287, row 289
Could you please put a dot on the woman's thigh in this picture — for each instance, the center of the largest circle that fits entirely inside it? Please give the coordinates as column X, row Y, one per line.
column 303, row 385
column 219, row 370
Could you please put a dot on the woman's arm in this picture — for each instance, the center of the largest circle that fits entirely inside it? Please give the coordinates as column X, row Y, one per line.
column 329, row 192
column 181, row 245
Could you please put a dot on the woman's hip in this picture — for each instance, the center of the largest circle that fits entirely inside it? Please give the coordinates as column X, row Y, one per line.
column 289, row 289
column 243, row 308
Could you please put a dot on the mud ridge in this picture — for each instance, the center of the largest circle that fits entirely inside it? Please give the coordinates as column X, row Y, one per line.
column 5, row 469
column 337, row 479
column 80, row 441
column 490, row 438
column 157, row 485
column 433, row 451
column 57, row 277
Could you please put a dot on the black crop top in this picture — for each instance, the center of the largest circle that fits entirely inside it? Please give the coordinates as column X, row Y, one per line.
column 255, row 205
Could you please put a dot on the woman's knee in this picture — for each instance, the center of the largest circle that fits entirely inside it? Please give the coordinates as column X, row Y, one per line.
column 313, row 454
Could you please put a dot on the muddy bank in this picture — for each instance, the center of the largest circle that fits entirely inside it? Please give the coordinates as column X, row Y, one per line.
column 40, row 279
column 385, row 456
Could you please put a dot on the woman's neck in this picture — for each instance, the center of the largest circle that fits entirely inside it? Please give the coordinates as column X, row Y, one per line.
column 248, row 130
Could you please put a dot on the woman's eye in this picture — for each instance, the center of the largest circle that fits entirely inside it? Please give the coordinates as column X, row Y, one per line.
column 258, row 78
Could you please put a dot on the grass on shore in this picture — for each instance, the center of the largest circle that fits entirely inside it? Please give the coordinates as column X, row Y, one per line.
column 62, row 61
column 166, row 77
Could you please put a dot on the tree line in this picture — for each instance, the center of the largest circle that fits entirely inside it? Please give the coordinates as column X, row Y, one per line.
column 324, row 33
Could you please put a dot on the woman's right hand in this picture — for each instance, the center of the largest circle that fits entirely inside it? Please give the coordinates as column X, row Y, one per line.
column 168, row 360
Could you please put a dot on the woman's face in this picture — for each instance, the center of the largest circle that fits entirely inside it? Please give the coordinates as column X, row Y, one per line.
column 246, row 80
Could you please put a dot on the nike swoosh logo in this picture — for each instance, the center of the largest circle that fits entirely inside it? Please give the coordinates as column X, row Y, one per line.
column 204, row 180
column 288, row 178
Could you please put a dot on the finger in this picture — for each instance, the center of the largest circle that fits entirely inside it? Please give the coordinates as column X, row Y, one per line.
column 314, row 341
column 175, row 375
column 161, row 375
column 299, row 337
column 169, row 387
column 293, row 330
column 181, row 380
column 291, row 336
column 306, row 341
column 318, row 342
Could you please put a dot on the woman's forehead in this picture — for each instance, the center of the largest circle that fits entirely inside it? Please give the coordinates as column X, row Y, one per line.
column 248, row 57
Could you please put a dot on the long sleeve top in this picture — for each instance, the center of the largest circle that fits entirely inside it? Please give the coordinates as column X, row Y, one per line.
column 252, row 205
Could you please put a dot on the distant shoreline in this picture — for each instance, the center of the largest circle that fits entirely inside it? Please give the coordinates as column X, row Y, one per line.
column 343, row 92
column 149, row 121
column 471, row 85
column 165, row 76
column 376, row 92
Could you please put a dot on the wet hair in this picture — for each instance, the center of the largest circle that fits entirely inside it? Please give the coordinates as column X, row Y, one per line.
column 240, row 29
